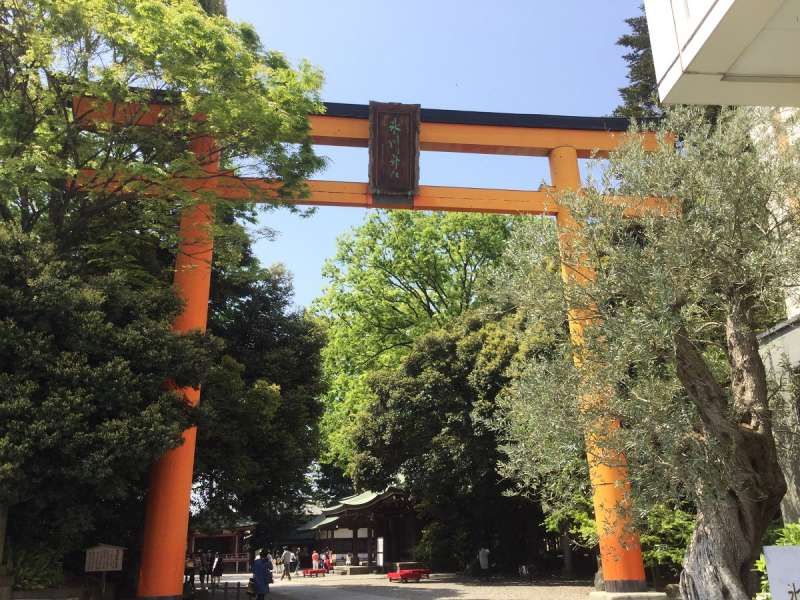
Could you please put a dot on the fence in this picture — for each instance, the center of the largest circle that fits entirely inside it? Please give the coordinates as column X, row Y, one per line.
column 227, row 590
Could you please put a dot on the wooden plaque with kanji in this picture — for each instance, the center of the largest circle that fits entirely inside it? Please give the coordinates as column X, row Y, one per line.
column 393, row 152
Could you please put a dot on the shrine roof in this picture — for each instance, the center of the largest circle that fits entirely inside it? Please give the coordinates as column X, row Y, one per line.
column 317, row 522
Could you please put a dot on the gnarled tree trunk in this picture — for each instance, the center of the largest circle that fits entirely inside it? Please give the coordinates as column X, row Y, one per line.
column 727, row 539
column 731, row 522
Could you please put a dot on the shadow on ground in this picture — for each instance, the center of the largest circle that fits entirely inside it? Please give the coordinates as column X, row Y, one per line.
column 505, row 582
column 442, row 587
column 359, row 592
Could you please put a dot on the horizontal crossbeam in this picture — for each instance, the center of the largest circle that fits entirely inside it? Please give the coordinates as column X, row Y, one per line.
column 430, row 197
column 522, row 135
column 440, row 130
column 356, row 194
column 478, row 139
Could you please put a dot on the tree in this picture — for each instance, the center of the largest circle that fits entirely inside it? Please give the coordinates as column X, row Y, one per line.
column 329, row 482
column 258, row 420
column 430, row 429
column 55, row 51
column 640, row 96
column 395, row 277
column 670, row 331
column 84, row 409
column 113, row 237
column 262, row 397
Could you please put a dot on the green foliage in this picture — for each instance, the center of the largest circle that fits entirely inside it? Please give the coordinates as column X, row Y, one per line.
column 430, row 429
column 786, row 535
column 669, row 324
column 666, row 536
column 83, row 408
column 579, row 518
column 214, row 7
column 85, row 272
column 54, row 50
column 258, row 419
column 329, row 482
column 438, row 543
column 544, row 456
column 451, row 375
column 640, row 96
column 37, row 569
column 664, row 533
column 393, row 278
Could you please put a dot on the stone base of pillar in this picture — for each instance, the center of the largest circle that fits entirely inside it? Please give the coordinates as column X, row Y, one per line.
column 627, row 596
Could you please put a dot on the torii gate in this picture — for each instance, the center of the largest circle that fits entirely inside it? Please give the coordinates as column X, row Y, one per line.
column 562, row 139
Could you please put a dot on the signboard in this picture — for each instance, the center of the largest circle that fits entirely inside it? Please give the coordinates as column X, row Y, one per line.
column 379, row 553
column 393, row 153
column 104, row 558
column 783, row 571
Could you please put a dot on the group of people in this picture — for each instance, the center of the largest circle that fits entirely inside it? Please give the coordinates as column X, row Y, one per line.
column 326, row 560
column 206, row 565
column 289, row 562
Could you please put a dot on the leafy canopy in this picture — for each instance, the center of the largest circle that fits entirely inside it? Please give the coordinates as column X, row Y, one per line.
column 257, row 430
column 87, row 269
column 254, row 104
column 429, row 430
column 83, row 405
column 393, row 278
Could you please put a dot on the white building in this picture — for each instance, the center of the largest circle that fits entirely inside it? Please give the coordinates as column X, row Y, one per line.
column 744, row 52
column 780, row 350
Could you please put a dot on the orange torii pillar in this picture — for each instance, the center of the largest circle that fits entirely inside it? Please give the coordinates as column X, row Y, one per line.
column 620, row 549
column 167, row 517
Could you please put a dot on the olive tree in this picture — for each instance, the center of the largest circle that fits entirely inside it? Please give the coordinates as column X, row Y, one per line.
column 681, row 287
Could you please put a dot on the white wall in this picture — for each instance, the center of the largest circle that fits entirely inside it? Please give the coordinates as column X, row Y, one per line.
column 343, row 533
column 740, row 52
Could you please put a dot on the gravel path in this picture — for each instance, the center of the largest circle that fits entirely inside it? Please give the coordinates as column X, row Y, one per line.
column 376, row 587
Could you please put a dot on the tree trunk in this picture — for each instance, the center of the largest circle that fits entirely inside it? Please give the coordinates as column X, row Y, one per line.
column 731, row 522
column 3, row 522
column 567, row 568
column 726, row 542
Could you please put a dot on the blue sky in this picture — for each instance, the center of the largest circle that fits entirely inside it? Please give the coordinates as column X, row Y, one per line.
column 526, row 56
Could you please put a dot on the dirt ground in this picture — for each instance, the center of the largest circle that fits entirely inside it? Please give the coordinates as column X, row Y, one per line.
column 377, row 587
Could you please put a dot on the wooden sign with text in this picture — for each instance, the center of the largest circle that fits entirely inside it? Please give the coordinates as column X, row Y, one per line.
column 104, row 557
column 393, row 153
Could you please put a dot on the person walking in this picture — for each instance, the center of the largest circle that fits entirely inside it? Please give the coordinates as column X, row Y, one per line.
column 189, row 571
column 198, row 568
column 293, row 563
column 262, row 575
column 270, row 567
column 208, row 561
column 217, row 568
column 286, row 559
column 299, row 554
column 315, row 560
